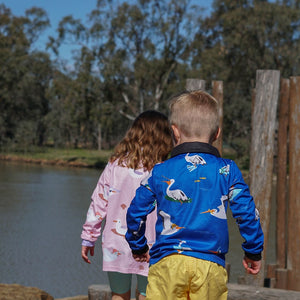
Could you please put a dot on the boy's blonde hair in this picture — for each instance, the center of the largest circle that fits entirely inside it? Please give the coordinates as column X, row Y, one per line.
column 147, row 142
column 195, row 114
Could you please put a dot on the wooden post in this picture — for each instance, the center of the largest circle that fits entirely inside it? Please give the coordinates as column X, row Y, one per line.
column 281, row 278
column 193, row 84
column 262, row 151
column 218, row 93
column 293, row 252
column 281, row 199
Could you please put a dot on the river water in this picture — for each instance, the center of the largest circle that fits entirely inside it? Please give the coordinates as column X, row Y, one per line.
column 42, row 209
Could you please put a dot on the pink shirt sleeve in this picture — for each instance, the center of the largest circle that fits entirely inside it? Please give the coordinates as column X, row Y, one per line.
column 98, row 208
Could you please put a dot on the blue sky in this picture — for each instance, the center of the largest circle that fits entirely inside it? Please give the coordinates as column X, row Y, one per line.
column 57, row 9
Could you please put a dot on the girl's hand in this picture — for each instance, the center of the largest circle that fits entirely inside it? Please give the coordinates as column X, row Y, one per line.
column 85, row 251
column 142, row 257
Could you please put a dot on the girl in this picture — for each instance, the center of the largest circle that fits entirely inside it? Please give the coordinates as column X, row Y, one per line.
column 146, row 143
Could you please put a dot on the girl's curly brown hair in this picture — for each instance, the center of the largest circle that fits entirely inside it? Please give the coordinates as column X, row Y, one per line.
column 147, row 142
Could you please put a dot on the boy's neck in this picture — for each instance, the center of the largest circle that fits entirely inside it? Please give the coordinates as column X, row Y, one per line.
column 190, row 140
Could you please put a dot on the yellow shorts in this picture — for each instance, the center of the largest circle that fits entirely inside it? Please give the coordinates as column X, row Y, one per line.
column 183, row 277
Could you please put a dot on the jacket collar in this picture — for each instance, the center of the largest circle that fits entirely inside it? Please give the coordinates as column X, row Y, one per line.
column 195, row 147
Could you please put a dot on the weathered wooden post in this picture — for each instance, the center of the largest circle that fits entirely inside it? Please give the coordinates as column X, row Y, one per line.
column 193, row 84
column 281, row 192
column 218, row 93
column 293, row 249
column 262, row 151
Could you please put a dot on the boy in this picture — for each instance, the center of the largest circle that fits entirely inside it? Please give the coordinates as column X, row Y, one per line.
column 192, row 191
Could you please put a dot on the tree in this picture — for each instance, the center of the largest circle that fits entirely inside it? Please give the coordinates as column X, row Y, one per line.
column 237, row 39
column 137, row 48
column 24, row 77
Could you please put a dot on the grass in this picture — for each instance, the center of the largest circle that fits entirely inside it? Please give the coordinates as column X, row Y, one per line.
column 85, row 157
column 72, row 157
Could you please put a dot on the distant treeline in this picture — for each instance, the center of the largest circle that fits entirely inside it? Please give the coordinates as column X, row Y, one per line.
column 131, row 57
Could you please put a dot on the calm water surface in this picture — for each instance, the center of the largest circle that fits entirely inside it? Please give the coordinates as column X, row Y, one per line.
column 42, row 210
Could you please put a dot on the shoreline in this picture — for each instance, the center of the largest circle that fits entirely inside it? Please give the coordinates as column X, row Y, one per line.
column 70, row 162
column 54, row 162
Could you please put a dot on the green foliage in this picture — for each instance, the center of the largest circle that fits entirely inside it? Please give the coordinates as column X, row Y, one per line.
column 238, row 38
column 133, row 56
column 24, row 78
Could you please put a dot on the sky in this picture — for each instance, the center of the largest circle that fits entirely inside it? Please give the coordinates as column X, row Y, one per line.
column 57, row 9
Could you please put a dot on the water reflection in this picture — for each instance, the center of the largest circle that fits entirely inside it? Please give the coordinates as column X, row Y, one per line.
column 42, row 211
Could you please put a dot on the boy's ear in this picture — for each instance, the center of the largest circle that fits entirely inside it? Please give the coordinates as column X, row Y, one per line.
column 217, row 134
column 176, row 134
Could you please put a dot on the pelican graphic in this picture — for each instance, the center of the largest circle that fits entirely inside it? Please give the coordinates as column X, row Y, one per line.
column 176, row 195
column 181, row 248
column 233, row 192
column 224, row 170
column 216, row 252
column 135, row 173
column 145, row 182
column 218, row 212
column 92, row 216
column 169, row 227
column 195, row 160
column 136, row 233
column 110, row 254
column 109, row 192
column 119, row 230
column 113, row 191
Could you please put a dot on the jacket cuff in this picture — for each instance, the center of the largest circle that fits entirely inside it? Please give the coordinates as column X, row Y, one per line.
column 87, row 243
column 255, row 257
column 140, row 251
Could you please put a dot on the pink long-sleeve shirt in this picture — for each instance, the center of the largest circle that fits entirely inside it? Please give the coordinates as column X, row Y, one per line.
column 110, row 200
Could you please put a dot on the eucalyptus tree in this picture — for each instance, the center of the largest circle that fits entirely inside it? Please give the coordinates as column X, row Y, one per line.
column 24, row 77
column 238, row 38
column 138, row 47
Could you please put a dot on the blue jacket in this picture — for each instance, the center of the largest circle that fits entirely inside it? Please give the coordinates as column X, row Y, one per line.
column 192, row 191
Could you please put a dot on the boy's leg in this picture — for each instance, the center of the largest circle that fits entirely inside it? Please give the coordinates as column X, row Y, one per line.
column 168, row 279
column 120, row 285
column 209, row 281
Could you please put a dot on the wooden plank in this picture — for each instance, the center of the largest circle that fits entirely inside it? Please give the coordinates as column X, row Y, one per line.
column 281, row 195
column 293, row 249
column 271, row 270
column 262, row 151
column 193, row 84
column 281, row 278
column 218, row 93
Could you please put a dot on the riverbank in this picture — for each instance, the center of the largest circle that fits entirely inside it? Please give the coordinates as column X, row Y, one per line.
column 61, row 157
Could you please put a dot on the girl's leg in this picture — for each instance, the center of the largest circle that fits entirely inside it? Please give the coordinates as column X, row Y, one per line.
column 125, row 296
column 142, row 282
column 120, row 285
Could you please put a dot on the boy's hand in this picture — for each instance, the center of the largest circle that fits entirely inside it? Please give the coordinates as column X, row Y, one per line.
column 251, row 266
column 142, row 257
column 85, row 251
